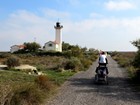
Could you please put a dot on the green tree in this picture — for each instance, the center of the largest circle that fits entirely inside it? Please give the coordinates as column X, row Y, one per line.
column 65, row 46
column 76, row 51
column 84, row 49
column 136, row 61
column 73, row 50
column 32, row 47
column 136, row 43
column 92, row 50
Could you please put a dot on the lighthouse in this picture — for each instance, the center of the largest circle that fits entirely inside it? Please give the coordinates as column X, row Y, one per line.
column 58, row 36
column 55, row 45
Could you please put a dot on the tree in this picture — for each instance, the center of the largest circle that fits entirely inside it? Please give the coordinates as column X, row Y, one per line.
column 92, row 50
column 136, row 43
column 76, row 51
column 136, row 61
column 65, row 46
column 84, row 49
column 32, row 47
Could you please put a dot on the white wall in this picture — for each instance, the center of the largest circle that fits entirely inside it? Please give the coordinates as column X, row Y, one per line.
column 14, row 48
column 58, row 38
column 47, row 46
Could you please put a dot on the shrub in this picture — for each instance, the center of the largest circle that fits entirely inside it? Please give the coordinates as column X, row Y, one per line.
column 12, row 61
column 124, row 62
column 67, row 54
column 73, row 64
column 48, row 53
column 114, row 53
column 44, row 82
column 41, row 67
column 5, row 55
column 136, row 61
column 131, row 71
column 91, row 56
column 86, row 63
column 28, row 94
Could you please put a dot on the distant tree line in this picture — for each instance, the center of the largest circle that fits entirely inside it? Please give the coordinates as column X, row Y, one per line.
column 78, row 58
column 30, row 47
column 68, row 50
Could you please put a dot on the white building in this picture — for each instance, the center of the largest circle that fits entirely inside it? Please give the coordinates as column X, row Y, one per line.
column 15, row 48
column 57, row 44
column 51, row 46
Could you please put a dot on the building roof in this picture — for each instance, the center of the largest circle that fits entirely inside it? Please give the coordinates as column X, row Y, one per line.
column 54, row 42
column 19, row 46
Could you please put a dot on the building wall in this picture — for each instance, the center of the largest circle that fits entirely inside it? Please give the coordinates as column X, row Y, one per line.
column 58, row 38
column 51, row 46
column 14, row 49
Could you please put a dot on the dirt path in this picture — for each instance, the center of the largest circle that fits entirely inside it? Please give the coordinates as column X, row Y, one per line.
column 80, row 90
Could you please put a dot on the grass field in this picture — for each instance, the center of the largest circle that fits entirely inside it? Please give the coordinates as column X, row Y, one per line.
column 17, row 82
column 20, row 88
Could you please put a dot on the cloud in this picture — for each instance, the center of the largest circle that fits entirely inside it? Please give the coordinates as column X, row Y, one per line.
column 102, row 33
column 120, row 5
column 22, row 26
column 53, row 14
column 96, row 15
column 74, row 2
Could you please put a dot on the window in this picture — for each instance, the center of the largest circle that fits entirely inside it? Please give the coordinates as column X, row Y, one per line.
column 50, row 45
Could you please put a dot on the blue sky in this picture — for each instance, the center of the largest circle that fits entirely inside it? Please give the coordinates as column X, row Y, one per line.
column 100, row 24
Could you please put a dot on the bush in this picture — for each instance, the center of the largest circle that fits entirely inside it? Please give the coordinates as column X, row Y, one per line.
column 136, row 61
column 28, row 94
column 86, row 63
column 124, row 62
column 73, row 64
column 41, row 67
column 91, row 56
column 131, row 71
column 67, row 54
column 12, row 61
column 44, row 82
column 48, row 53
column 5, row 55
column 114, row 53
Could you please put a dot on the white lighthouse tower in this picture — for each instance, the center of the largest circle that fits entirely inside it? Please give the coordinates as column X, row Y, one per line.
column 58, row 36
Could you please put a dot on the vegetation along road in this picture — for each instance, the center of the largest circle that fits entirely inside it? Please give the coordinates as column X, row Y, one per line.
column 80, row 89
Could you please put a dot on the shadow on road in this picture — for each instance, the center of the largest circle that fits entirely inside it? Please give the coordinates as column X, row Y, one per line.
column 118, row 88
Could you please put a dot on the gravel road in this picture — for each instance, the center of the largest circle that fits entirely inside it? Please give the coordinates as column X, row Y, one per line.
column 80, row 89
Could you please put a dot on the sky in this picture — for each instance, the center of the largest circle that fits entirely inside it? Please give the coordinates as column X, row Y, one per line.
column 109, row 25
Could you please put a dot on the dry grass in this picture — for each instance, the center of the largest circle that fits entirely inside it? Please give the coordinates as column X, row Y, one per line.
column 24, row 89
